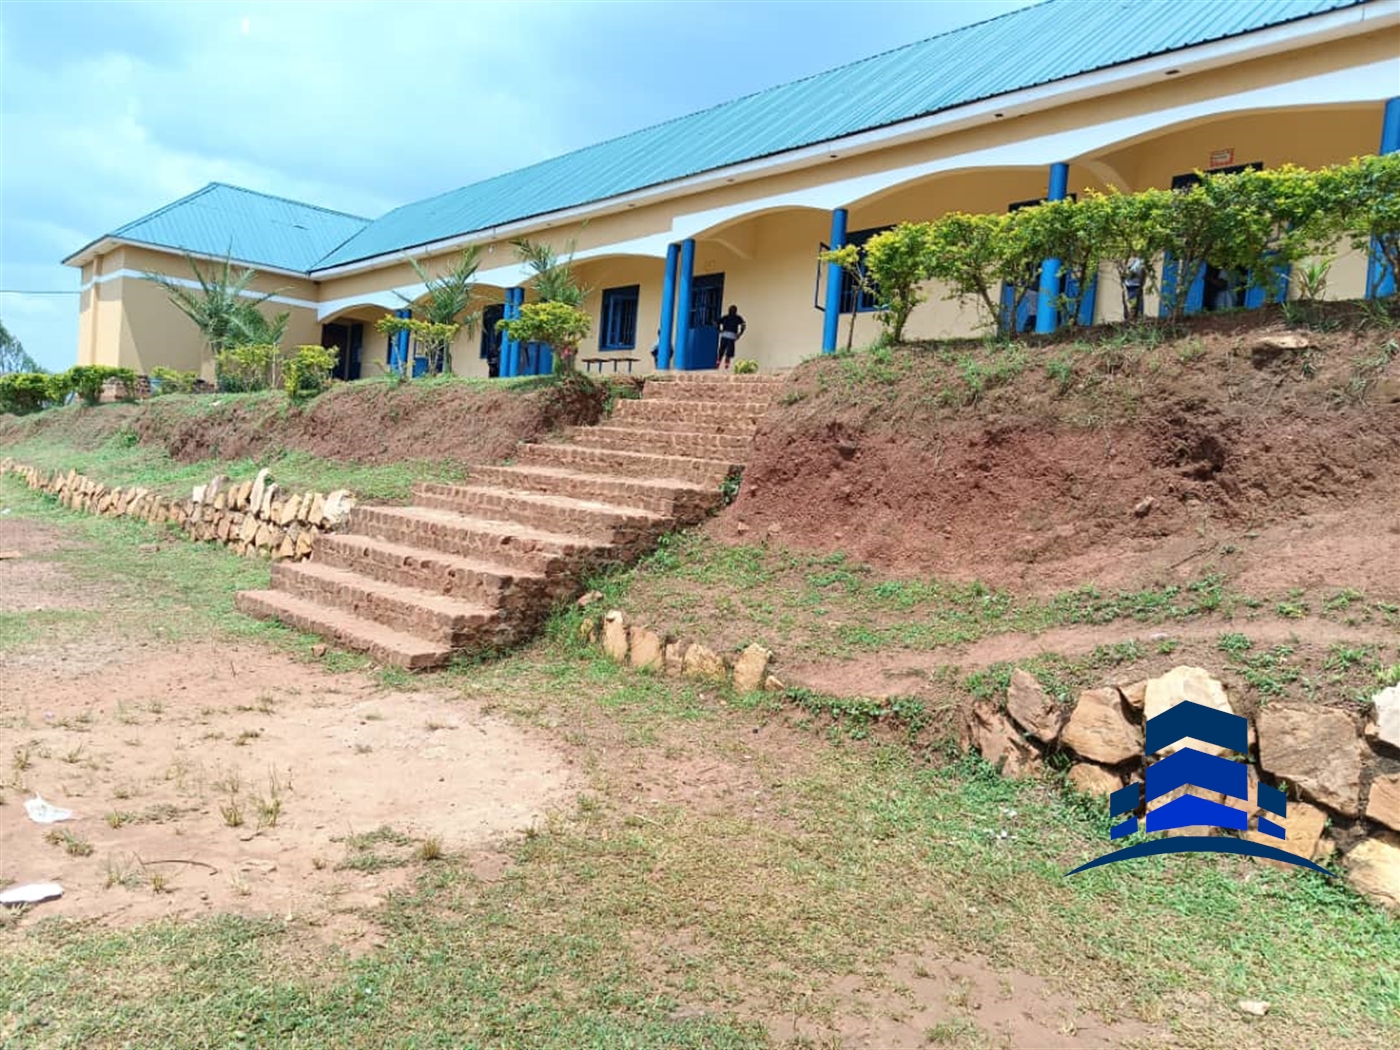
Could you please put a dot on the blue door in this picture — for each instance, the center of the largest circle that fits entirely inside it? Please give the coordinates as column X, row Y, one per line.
column 706, row 306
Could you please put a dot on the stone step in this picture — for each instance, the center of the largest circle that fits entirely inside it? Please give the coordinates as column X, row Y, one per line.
column 438, row 618
column 667, row 442
column 717, row 417
column 515, row 591
column 553, row 512
column 680, row 499
column 344, row 629
column 744, row 428
column 714, row 388
column 509, row 543
column 590, row 460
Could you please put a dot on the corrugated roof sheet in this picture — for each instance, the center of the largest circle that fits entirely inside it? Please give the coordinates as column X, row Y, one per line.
column 1026, row 48
column 251, row 227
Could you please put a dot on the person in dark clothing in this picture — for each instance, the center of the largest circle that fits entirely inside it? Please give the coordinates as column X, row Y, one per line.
column 731, row 327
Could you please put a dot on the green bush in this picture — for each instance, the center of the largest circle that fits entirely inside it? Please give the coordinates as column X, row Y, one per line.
column 308, row 371
column 87, row 382
column 172, row 381
column 25, row 392
column 745, row 366
column 244, row 369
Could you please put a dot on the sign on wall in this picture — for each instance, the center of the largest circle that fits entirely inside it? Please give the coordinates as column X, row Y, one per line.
column 1222, row 158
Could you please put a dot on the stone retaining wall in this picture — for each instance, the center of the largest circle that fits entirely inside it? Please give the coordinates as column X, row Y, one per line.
column 253, row 518
column 1342, row 777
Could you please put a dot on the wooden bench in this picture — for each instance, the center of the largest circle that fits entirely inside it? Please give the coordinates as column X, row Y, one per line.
column 589, row 362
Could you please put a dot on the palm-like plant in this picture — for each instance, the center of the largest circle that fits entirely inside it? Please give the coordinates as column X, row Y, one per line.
column 446, row 303
column 553, row 280
column 220, row 305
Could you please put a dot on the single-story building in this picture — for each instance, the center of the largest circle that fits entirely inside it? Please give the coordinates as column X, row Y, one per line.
column 732, row 205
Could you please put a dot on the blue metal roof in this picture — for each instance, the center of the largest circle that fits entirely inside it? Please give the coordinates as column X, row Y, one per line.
column 250, row 227
column 1026, row 48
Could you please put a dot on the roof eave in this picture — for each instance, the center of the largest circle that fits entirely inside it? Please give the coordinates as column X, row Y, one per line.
column 105, row 244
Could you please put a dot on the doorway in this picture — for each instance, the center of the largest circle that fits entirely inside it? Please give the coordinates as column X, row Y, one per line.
column 491, row 339
column 349, row 339
column 706, row 307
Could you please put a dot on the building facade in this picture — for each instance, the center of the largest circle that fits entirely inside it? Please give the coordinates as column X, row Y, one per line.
column 732, row 205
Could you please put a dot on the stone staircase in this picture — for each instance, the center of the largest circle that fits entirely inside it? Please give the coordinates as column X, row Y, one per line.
column 478, row 566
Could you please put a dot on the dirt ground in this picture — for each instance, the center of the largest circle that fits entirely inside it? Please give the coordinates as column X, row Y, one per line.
column 237, row 779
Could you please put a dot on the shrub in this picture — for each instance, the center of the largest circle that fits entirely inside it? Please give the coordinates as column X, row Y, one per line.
column 24, row 392
column 88, row 380
column 244, row 369
column 557, row 325
column 171, row 381
column 308, row 371
column 745, row 366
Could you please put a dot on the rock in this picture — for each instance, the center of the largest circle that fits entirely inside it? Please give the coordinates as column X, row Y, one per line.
column 197, row 493
column 1032, row 710
column 1254, row 1007
column 1135, row 694
column 646, row 651
column 996, row 740
column 337, row 508
column 1098, row 730
column 318, row 650
column 317, row 514
column 674, row 656
column 1286, row 341
column 218, row 483
column 589, row 598
column 1384, row 804
column 287, row 548
column 1181, row 684
column 1315, row 748
column 615, row 636
column 1089, row 779
column 774, row 529
column 740, row 529
column 1144, row 507
column 263, row 537
column 290, row 509
column 305, row 544
column 259, row 487
column 271, row 495
column 1374, row 867
column 751, row 668
column 248, row 530
column 1387, row 707
column 701, row 661
column 243, row 496
column 1303, row 825
column 221, row 501
column 304, row 514
column 773, row 684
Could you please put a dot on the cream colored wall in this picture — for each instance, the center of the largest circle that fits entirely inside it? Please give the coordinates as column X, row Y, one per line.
column 619, row 272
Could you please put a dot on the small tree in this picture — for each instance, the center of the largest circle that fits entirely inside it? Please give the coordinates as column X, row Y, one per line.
column 557, row 325
column 219, row 306
column 1366, row 193
column 444, row 309
column 968, row 253
column 848, row 257
column 308, row 371
column 12, row 355
column 1129, row 226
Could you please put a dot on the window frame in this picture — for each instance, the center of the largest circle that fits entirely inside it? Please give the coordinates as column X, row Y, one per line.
column 863, row 302
column 611, row 299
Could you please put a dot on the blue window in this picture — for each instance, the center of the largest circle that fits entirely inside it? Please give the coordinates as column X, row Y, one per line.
column 619, row 328
column 853, row 297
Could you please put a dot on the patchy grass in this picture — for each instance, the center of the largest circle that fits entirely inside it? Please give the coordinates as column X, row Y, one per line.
column 120, row 461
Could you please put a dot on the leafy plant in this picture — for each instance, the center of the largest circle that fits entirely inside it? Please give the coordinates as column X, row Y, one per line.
column 745, row 366
column 555, row 324
column 248, row 367
column 220, row 306
column 88, row 380
column 444, row 309
column 171, row 381
column 308, row 371
column 25, row 392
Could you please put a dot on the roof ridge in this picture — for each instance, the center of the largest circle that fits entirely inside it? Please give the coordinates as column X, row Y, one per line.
column 165, row 208
column 287, row 200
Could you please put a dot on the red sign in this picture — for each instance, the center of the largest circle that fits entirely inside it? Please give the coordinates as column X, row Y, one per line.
column 1222, row 158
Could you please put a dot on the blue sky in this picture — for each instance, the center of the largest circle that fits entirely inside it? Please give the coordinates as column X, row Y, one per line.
column 110, row 110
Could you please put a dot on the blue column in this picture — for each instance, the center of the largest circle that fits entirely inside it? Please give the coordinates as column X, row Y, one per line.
column 510, row 348
column 1047, row 314
column 684, row 277
column 831, row 318
column 1378, row 282
column 668, row 307
column 398, row 360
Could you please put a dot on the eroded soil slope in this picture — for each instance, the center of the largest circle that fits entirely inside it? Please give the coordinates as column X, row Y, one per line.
column 1062, row 463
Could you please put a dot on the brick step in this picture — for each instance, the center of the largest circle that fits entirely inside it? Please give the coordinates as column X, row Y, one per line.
column 514, row 591
column 744, row 428
column 554, row 512
column 679, row 499
column 669, row 442
column 509, row 543
column 663, row 410
column 714, row 388
column 628, row 464
column 344, row 629
column 438, row 618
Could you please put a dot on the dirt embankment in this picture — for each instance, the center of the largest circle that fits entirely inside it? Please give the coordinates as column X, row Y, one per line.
column 371, row 422
column 1066, row 463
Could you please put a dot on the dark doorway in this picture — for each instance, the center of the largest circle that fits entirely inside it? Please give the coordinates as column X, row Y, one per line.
column 706, row 306
column 349, row 339
column 491, row 339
